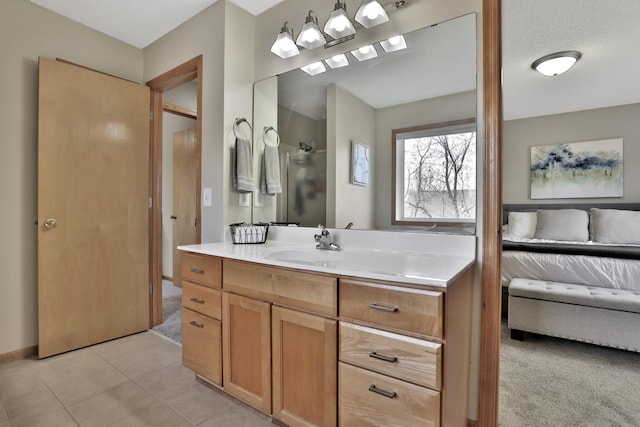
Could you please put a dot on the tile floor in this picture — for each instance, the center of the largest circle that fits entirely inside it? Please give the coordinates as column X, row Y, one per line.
column 134, row 381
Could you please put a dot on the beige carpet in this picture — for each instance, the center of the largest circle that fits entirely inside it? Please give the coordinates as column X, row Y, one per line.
column 547, row 381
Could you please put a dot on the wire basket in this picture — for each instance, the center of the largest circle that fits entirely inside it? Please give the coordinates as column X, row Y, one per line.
column 248, row 234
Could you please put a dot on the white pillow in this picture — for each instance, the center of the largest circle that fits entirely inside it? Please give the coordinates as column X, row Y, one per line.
column 562, row 224
column 523, row 224
column 616, row 226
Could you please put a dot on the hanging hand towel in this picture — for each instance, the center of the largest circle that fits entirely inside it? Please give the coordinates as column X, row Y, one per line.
column 243, row 173
column 270, row 182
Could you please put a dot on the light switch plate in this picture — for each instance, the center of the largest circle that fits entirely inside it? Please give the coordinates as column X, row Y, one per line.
column 245, row 199
column 206, row 197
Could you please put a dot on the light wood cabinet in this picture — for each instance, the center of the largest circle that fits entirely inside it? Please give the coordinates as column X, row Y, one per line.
column 247, row 349
column 304, row 368
column 202, row 269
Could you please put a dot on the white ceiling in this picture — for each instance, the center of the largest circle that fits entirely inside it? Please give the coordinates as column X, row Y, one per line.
column 607, row 32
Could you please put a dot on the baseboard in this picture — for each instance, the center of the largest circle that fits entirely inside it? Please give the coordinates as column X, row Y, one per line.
column 472, row 423
column 169, row 278
column 24, row 353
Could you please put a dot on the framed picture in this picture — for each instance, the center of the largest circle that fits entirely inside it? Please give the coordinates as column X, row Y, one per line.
column 359, row 163
column 577, row 170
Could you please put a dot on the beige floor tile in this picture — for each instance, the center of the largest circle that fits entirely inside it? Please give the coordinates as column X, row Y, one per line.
column 8, row 368
column 122, row 347
column 112, row 405
column 157, row 415
column 32, row 405
column 58, row 368
column 18, row 382
column 87, row 383
column 5, row 423
column 168, row 381
column 198, row 403
column 3, row 414
column 60, row 418
column 149, row 359
column 237, row 416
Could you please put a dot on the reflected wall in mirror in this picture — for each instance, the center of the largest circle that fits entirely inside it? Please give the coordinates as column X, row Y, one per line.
column 317, row 117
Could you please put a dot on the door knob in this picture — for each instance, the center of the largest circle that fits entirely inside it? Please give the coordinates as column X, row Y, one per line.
column 50, row 223
column 173, row 217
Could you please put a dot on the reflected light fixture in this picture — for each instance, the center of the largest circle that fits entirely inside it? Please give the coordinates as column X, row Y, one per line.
column 315, row 68
column 337, row 61
column 556, row 63
column 394, row 43
column 310, row 36
column 365, row 52
column 371, row 13
column 284, row 46
column 339, row 25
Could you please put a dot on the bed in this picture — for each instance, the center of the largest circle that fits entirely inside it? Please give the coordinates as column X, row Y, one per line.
column 573, row 271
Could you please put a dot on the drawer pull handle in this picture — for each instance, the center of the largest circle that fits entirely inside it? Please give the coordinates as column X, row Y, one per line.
column 197, row 301
column 197, row 271
column 389, row 394
column 196, row 324
column 390, row 359
column 375, row 306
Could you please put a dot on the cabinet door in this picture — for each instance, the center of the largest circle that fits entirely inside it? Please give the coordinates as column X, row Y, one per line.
column 201, row 344
column 304, row 368
column 246, row 335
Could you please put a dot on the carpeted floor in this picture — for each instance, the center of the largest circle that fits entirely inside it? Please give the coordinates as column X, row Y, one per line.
column 546, row 381
column 171, row 325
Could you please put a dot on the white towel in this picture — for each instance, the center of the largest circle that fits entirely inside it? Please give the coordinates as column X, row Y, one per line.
column 243, row 171
column 270, row 179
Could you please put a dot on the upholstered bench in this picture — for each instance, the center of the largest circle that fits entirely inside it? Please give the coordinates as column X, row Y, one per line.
column 609, row 317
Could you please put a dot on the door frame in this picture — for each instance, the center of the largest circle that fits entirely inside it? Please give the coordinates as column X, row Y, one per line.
column 173, row 78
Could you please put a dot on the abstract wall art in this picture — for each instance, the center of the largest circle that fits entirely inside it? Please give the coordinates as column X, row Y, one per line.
column 577, row 170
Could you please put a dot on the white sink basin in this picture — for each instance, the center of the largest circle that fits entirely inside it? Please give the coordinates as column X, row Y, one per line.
column 310, row 256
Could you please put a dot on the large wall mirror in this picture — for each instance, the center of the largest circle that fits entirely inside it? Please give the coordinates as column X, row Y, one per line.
column 335, row 133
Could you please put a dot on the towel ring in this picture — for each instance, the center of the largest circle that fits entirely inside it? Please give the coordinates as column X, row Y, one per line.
column 238, row 122
column 268, row 129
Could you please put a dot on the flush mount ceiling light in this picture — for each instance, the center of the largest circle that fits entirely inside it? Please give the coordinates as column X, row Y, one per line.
column 284, row 46
column 315, row 68
column 337, row 61
column 556, row 63
column 371, row 13
column 394, row 43
column 365, row 52
column 339, row 25
column 310, row 36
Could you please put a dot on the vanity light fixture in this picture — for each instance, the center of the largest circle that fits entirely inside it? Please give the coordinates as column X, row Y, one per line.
column 315, row 68
column 556, row 63
column 310, row 36
column 339, row 25
column 371, row 13
column 365, row 52
column 284, row 46
column 394, row 43
column 337, row 61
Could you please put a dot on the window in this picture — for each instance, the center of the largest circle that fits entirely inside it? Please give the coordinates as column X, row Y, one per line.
column 434, row 178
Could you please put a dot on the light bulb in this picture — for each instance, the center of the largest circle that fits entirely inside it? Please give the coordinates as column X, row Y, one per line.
column 339, row 23
column 364, row 49
column 371, row 11
column 395, row 40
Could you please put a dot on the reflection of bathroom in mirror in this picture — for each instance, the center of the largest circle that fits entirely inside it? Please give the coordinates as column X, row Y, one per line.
column 432, row 81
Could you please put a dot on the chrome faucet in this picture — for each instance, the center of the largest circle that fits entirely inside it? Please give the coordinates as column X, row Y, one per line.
column 324, row 240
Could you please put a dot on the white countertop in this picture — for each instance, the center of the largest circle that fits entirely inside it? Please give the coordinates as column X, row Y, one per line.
column 405, row 266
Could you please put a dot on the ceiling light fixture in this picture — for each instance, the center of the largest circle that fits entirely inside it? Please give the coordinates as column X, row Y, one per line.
column 339, row 25
column 371, row 13
column 394, row 43
column 556, row 63
column 365, row 52
column 315, row 68
column 310, row 36
column 284, row 46
column 337, row 61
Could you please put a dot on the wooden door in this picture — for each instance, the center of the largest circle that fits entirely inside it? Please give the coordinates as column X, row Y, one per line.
column 246, row 349
column 185, row 159
column 304, row 368
column 93, row 207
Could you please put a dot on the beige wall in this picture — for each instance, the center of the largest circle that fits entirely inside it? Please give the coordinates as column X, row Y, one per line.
column 590, row 125
column 27, row 32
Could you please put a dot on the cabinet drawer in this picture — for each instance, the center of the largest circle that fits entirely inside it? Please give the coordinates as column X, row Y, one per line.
column 202, row 269
column 404, row 309
column 306, row 291
column 399, row 356
column 201, row 299
column 370, row 399
column 202, row 345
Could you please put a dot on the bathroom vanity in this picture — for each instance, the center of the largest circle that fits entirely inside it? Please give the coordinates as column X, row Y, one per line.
column 354, row 337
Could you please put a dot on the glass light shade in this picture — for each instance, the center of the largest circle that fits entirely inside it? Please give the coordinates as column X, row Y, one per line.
column 337, row 61
column 365, row 52
column 315, row 68
column 371, row 13
column 284, row 46
column 310, row 36
column 339, row 25
column 556, row 63
column 394, row 43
